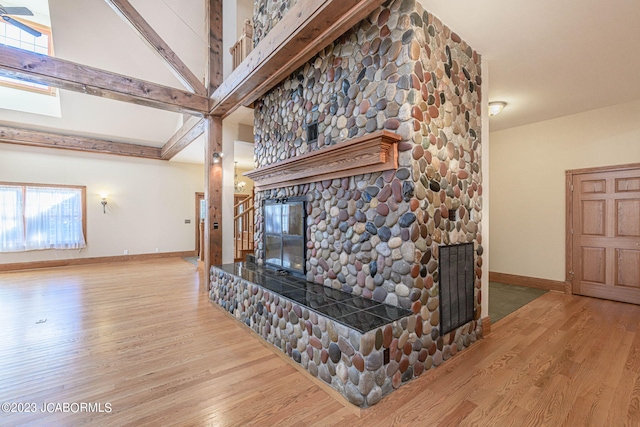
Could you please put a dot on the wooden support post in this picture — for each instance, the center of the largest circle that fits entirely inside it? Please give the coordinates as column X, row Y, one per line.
column 213, row 195
column 214, row 25
column 213, row 144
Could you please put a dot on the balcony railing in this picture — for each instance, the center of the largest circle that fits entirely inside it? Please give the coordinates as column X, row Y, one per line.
column 241, row 49
column 243, row 228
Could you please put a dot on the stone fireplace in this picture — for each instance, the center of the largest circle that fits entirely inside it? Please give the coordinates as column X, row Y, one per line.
column 378, row 234
column 376, row 218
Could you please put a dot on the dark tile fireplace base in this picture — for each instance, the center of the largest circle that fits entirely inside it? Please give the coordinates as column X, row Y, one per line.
column 350, row 310
column 361, row 348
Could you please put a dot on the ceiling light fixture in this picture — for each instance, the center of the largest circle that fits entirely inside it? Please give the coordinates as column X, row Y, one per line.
column 496, row 107
column 237, row 185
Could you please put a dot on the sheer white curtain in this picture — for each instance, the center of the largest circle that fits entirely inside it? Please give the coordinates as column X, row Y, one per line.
column 53, row 218
column 40, row 218
column 11, row 219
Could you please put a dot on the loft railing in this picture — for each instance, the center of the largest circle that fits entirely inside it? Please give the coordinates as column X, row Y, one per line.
column 243, row 228
column 241, row 49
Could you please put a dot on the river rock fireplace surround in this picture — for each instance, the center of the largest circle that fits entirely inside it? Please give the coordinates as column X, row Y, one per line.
column 393, row 177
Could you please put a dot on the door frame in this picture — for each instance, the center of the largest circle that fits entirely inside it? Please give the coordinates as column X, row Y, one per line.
column 199, row 196
column 569, row 174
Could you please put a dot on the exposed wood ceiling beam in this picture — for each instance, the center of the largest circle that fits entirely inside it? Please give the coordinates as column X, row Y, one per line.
column 42, row 69
column 192, row 128
column 130, row 15
column 19, row 136
column 304, row 30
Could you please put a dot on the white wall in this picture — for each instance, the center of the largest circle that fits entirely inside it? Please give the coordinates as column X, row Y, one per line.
column 485, row 224
column 181, row 24
column 244, row 11
column 148, row 203
column 229, row 134
column 528, row 165
column 229, row 9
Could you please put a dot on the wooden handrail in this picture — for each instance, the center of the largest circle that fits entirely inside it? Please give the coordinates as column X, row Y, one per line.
column 242, row 201
column 240, row 214
column 243, row 228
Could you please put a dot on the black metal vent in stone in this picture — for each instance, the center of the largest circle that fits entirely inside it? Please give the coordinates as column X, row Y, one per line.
column 312, row 132
column 456, row 286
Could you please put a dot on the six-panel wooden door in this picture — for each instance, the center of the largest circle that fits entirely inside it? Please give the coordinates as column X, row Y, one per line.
column 606, row 234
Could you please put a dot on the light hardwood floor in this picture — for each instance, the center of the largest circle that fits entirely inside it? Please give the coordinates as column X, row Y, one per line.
column 144, row 338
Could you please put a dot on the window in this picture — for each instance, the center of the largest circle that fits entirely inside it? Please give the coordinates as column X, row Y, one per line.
column 203, row 209
column 34, row 216
column 13, row 36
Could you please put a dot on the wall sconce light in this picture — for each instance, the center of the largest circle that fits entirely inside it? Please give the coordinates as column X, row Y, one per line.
column 104, row 196
column 217, row 157
column 496, row 107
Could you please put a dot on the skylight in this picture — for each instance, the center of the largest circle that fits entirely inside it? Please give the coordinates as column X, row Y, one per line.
column 24, row 96
column 15, row 37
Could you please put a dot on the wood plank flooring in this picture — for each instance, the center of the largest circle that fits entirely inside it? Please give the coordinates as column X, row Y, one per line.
column 142, row 337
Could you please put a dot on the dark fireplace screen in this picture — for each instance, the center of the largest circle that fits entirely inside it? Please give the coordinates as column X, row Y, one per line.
column 456, row 286
column 285, row 234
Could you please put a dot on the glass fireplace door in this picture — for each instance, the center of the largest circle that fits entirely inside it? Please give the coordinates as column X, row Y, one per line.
column 284, row 234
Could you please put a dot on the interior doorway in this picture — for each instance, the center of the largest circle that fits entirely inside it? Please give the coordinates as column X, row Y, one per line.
column 603, row 232
column 199, row 221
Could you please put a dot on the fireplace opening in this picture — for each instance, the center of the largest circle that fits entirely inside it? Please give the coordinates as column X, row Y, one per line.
column 285, row 245
column 457, row 277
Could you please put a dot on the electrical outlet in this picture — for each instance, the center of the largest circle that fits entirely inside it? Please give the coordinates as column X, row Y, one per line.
column 126, row 251
column 157, row 250
column 187, row 221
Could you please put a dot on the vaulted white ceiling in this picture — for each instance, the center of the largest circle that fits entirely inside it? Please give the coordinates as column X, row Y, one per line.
column 90, row 33
column 547, row 59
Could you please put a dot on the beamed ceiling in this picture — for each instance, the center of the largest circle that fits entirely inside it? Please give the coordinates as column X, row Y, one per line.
column 131, row 75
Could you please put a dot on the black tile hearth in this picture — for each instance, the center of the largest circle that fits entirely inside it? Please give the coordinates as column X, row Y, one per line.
column 386, row 311
column 350, row 310
column 362, row 320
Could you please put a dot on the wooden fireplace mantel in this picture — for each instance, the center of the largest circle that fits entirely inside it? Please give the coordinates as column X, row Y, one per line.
column 374, row 152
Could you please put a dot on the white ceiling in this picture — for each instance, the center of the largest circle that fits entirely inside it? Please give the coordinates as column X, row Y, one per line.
column 90, row 33
column 194, row 152
column 39, row 8
column 550, row 58
column 243, row 154
column 547, row 59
